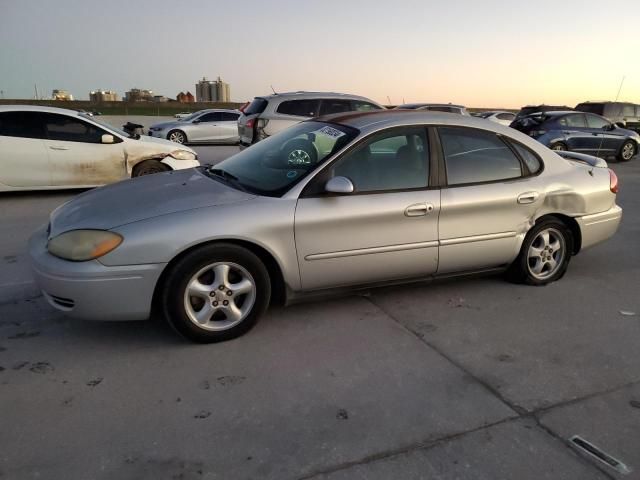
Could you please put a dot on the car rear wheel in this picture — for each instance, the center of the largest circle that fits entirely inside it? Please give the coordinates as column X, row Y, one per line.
column 559, row 147
column 177, row 136
column 627, row 151
column 216, row 292
column 149, row 167
column 545, row 254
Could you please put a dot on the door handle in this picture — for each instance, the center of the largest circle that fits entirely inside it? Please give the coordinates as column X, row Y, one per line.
column 418, row 209
column 528, row 197
column 57, row 147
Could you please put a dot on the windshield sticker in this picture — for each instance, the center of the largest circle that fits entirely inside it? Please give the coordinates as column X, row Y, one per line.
column 292, row 174
column 330, row 132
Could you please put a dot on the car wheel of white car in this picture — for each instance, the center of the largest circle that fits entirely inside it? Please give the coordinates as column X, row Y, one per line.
column 149, row 167
column 216, row 292
column 545, row 254
column 627, row 151
column 177, row 136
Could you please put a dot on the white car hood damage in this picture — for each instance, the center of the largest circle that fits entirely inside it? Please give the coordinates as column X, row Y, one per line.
column 142, row 198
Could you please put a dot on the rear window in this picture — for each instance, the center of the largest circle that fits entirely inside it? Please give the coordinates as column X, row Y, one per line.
column 628, row 111
column 257, row 106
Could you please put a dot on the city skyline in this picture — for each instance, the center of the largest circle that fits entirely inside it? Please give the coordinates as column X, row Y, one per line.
column 486, row 53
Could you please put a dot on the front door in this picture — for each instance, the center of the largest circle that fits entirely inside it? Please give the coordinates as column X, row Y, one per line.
column 386, row 229
column 206, row 129
column 77, row 154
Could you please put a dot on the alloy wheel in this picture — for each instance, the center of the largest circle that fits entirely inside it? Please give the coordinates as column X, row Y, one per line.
column 628, row 151
column 177, row 137
column 546, row 253
column 219, row 296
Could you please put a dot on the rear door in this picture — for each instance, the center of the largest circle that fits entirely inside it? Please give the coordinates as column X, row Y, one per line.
column 24, row 158
column 489, row 200
column 228, row 127
column 386, row 229
column 77, row 154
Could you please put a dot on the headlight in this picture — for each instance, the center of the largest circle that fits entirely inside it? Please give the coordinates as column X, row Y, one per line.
column 182, row 155
column 82, row 245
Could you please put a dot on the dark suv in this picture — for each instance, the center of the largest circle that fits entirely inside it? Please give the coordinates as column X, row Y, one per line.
column 627, row 114
column 580, row 132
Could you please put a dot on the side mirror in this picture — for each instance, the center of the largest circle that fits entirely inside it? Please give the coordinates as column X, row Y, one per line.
column 339, row 185
column 106, row 138
column 196, row 121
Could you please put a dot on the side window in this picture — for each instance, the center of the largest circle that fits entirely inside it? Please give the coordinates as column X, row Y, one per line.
column 299, row 108
column 230, row 117
column 210, row 117
column 506, row 116
column 360, row 106
column 69, row 129
column 530, row 159
column 596, row 122
column 473, row 156
column 22, row 124
column 637, row 110
column 441, row 109
column 576, row 120
column 396, row 160
column 334, row 106
column 628, row 111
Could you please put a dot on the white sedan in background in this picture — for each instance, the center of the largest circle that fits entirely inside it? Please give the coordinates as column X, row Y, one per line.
column 204, row 126
column 45, row 148
column 503, row 118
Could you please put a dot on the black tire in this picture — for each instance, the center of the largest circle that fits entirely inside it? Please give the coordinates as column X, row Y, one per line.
column 559, row 146
column 149, row 167
column 628, row 146
column 520, row 271
column 300, row 153
column 177, row 136
column 173, row 299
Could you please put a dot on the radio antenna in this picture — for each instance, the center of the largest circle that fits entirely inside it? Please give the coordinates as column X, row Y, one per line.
column 617, row 97
column 273, row 90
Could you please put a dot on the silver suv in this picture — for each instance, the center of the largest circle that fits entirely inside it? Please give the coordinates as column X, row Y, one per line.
column 271, row 114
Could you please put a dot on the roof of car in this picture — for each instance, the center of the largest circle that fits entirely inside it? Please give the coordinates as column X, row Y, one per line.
column 375, row 120
column 304, row 95
column 38, row 108
column 419, row 105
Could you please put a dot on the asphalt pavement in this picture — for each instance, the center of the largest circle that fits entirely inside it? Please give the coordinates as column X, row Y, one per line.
column 471, row 378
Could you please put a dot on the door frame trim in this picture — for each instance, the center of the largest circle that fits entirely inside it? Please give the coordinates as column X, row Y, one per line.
column 372, row 250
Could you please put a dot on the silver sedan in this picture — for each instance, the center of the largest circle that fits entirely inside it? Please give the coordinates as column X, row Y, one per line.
column 341, row 202
column 203, row 126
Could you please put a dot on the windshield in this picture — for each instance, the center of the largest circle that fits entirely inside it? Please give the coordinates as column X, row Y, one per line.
column 106, row 126
column 272, row 166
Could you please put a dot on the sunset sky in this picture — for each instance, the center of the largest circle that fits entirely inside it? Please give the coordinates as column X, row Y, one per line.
column 481, row 53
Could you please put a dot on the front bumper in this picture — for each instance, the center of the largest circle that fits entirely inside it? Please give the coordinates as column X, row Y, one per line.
column 91, row 290
column 599, row 227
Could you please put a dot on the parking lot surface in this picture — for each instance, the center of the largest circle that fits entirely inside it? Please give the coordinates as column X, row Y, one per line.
column 471, row 378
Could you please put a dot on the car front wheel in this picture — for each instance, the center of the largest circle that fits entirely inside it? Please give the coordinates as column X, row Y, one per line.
column 545, row 254
column 216, row 292
column 177, row 136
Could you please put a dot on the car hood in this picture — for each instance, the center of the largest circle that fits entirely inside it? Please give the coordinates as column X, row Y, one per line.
column 145, row 139
column 141, row 198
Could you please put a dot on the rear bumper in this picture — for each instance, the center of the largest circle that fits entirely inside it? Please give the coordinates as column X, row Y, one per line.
column 599, row 227
column 91, row 290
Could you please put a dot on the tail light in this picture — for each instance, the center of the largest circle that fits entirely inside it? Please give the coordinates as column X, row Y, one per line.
column 613, row 181
column 250, row 123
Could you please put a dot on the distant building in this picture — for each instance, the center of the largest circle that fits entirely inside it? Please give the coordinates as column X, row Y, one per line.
column 160, row 99
column 138, row 95
column 99, row 96
column 213, row 91
column 61, row 95
column 185, row 97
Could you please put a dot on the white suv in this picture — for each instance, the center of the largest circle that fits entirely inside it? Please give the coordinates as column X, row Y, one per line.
column 271, row 114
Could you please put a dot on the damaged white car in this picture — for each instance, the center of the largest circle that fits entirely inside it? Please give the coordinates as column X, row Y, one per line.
column 47, row 148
